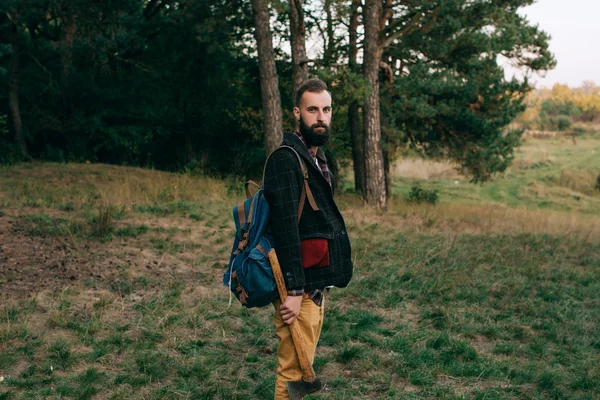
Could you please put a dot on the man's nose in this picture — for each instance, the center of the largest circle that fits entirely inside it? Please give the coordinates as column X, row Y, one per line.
column 320, row 116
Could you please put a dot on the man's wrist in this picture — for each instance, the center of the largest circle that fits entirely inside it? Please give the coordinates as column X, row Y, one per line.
column 295, row 292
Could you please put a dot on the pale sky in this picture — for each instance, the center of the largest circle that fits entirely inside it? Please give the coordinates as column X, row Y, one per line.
column 574, row 26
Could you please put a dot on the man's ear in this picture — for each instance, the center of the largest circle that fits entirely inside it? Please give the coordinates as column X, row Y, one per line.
column 297, row 113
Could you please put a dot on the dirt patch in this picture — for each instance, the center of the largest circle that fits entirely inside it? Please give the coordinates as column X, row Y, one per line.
column 32, row 262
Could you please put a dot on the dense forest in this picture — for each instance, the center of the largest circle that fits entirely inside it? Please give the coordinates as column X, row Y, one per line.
column 207, row 85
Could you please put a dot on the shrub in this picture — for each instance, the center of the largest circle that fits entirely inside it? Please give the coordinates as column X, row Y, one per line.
column 555, row 123
column 563, row 122
column 598, row 182
column 579, row 129
column 9, row 153
column 419, row 195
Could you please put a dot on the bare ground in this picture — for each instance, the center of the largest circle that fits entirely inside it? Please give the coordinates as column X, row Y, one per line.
column 34, row 262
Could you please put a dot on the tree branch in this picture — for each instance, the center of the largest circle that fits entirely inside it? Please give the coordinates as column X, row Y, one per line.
column 386, row 14
column 300, row 11
column 387, row 71
column 388, row 35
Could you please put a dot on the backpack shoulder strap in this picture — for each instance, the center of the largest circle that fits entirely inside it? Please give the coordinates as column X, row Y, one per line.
column 306, row 192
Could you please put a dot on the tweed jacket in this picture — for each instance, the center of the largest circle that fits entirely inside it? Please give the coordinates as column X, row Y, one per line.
column 283, row 183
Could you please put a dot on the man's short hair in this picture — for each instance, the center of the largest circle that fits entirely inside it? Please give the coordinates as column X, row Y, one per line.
column 313, row 85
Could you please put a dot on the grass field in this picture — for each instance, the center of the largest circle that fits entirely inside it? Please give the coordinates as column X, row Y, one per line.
column 557, row 174
column 110, row 287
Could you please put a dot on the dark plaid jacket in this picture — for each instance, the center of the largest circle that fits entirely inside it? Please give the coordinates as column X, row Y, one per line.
column 282, row 187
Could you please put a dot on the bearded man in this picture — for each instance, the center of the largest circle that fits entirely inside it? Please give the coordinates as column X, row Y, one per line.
column 313, row 251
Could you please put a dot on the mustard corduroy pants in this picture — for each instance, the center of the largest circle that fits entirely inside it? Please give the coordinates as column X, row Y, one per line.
column 310, row 321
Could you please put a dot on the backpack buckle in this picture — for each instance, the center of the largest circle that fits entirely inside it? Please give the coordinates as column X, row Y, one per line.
column 243, row 295
column 243, row 241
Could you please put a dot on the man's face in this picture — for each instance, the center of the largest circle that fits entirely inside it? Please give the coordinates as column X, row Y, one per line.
column 314, row 116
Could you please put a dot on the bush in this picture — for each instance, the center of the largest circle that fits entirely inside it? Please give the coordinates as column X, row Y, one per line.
column 563, row 122
column 419, row 195
column 552, row 107
column 9, row 153
column 579, row 129
column 598, row 182
column 555, row 123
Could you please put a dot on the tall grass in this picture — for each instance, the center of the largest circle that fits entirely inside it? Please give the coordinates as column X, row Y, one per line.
column 82, row 186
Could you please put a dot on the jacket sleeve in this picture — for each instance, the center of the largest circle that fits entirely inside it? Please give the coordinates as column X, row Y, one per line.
column 282, row 187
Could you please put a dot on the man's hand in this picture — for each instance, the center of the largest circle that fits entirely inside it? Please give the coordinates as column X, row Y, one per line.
column 290, row 309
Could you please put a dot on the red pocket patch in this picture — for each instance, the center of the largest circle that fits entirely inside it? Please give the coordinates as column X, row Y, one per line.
column 315, row 253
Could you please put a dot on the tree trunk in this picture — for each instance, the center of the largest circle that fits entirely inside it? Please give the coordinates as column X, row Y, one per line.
column 386, row 165
column 358, row 147
column 297, row 38
column 269, row 84
column 13, row 91
column 353, row 34
column 375, row 195
column 69, row 25
column 329, row 43
column 356, row 133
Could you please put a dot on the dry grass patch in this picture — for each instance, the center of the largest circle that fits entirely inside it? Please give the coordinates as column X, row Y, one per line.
column 424, row 169
column 470, row 218
column 82, row 185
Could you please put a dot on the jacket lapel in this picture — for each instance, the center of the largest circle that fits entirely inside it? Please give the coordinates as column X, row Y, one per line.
column 290, row 139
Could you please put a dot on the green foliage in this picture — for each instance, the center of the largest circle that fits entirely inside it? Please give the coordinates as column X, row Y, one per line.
column 555, row 123
column 563, row 122
column 554, row 107
column 151, row 85
column 419, row 195
column 9, row 151
column 455, row 102
column 177, row 88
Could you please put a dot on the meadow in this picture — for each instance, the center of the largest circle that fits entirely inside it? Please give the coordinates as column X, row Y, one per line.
column 110, row 286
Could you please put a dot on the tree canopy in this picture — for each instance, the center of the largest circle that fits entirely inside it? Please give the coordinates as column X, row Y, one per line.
column 175, row 84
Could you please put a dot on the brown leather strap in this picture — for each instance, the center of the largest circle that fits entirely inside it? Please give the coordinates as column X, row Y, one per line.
column 250, row 213
column 238, row 287
column 246, row 236
column 262, row 250
column 306, row 192
column 241, row 214
column 246, row 186
column 302, row 201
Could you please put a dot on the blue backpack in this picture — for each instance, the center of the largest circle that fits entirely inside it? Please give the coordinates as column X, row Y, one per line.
column 249, row 275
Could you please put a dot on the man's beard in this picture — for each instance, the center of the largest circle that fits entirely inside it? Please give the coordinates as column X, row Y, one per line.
column 315, row 138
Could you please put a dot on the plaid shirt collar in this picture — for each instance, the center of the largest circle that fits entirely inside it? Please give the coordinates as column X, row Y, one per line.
column 319, row 157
